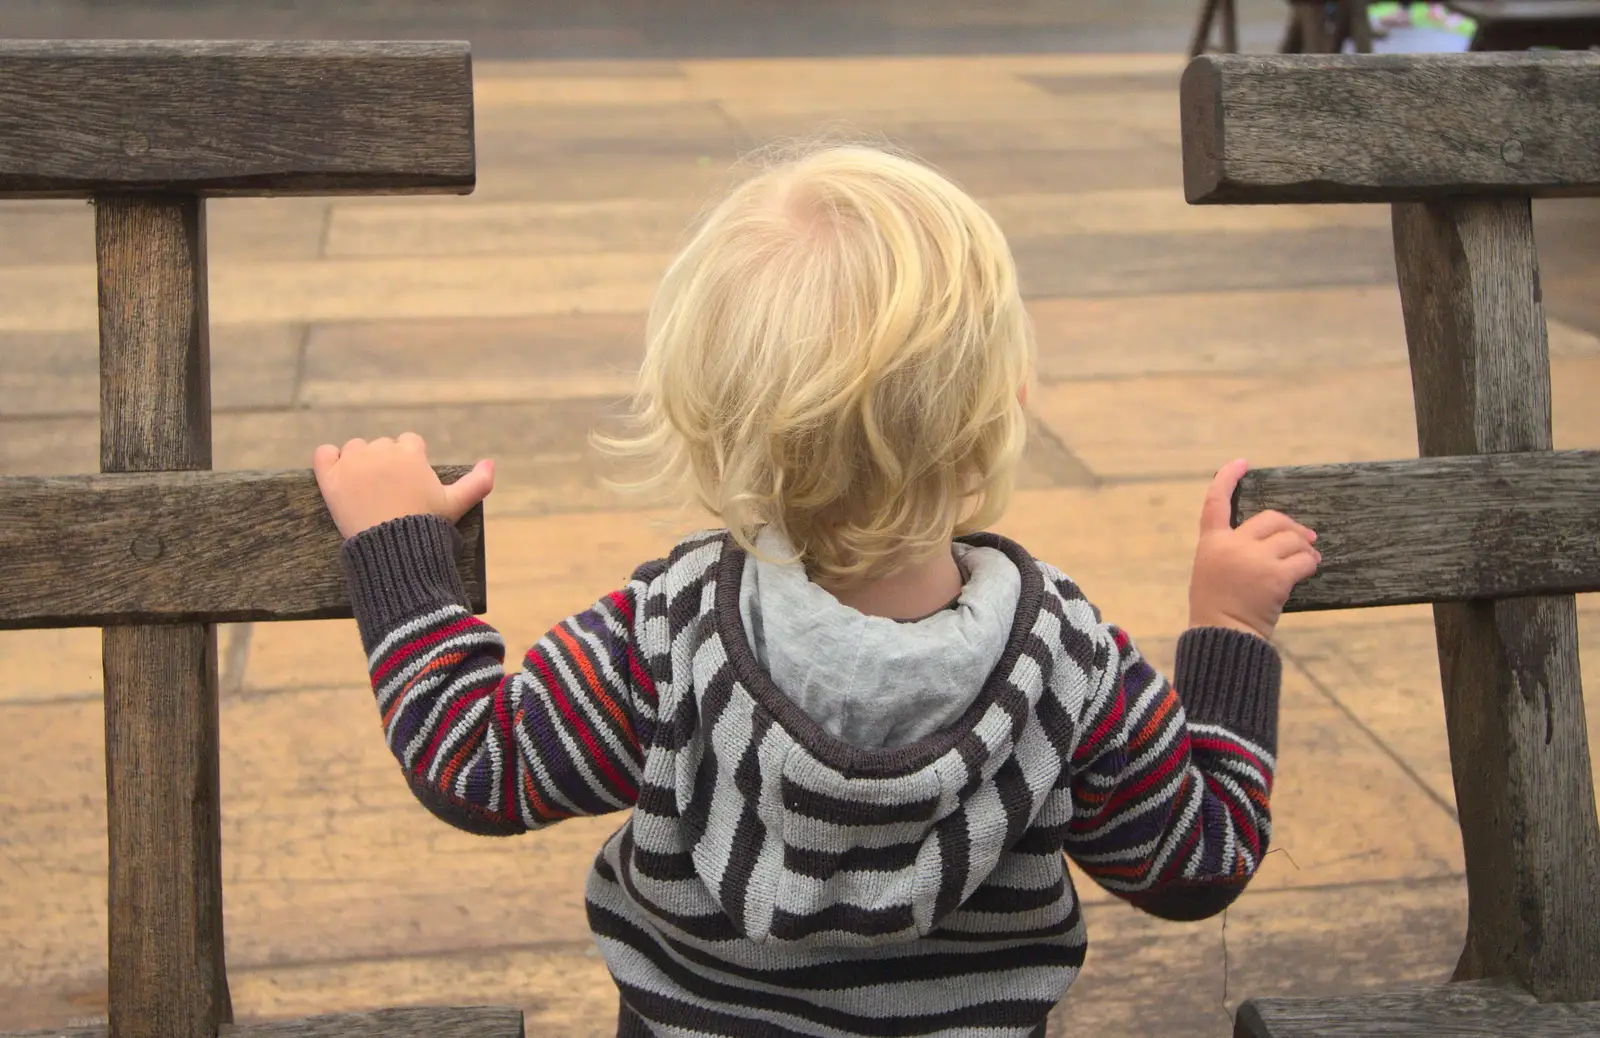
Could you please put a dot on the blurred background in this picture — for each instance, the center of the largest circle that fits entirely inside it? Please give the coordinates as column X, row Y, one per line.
column 508, row 323
column 668, row 29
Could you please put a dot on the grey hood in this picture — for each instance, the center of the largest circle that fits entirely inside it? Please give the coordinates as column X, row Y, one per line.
column 867, row 680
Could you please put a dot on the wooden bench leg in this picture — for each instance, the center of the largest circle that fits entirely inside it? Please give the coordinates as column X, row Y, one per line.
column 1308, row 31
column 1230, row 26
column 1293, row 39
column 1202, row 30
column 163, row 802
column 1360, row 25
column 1480, row 372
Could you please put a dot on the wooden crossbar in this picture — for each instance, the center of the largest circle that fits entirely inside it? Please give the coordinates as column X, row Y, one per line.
column 234, row 118
column 1446, row 529
column 175, row 547
column 1388, row 128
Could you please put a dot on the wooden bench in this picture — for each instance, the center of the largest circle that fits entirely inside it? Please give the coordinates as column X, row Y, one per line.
column 157, row 550
column 1520, row 24
column 1490, row 524
column 1310, row 30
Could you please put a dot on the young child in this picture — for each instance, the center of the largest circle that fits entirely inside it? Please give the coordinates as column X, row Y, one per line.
column 855, row 732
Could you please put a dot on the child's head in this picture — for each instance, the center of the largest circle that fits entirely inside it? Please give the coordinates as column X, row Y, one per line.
column 839, row 351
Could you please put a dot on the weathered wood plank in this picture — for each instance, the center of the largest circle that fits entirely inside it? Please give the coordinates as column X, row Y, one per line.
column 1440, row 529
column 165, row 972
column 1480, row 372
column 422, row 1022
column 79, row 551
column 425, row 1022
column 234, row 118
column 1482, row 1009
column 1393, row 127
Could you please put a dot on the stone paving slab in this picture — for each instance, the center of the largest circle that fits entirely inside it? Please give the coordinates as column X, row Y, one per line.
column 58, row 373
column 1162, row 424
column 1379, row 675
column 62, row 298
column 62, row 232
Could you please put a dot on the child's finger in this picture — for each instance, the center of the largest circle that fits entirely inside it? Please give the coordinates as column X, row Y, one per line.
column 1265, row 524
column 350, row 445
column 469, row 490
column 1285, row 543
column 1302, row 564
column 411, row 441
column 1217, row 511
column 1268, row 524
column 322, row 460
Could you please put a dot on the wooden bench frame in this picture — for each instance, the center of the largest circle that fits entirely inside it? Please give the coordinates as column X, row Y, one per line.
column 157, row 550
column 1488, row 524
column 1521, row 24
column 1308, row 30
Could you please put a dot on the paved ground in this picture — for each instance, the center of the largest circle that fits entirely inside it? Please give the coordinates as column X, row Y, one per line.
column 506, row 324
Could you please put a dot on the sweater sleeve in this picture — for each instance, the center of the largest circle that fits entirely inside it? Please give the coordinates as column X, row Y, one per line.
column 493, row 752
column 1170, row 785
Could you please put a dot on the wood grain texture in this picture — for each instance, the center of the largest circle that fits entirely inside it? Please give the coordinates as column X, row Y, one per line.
column 1483, row 1009
column 1440, row 529
column 1474, row 317
column 165, row 971
column 163, row 824
column 422, row 1022
column 426, row 1022
column 1384, row 128
column 234, row 118
column 175, row 547
column 155, row 346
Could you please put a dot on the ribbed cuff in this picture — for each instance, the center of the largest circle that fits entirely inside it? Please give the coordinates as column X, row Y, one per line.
column 399, row 570
column 1230, row 678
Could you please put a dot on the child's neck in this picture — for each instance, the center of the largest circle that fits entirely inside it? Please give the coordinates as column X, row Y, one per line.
column 910, row 593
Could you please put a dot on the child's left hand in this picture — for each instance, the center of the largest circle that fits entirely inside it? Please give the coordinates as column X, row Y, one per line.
column 367, row 484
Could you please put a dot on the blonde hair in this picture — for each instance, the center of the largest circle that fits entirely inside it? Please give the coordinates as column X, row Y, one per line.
column 838, row 352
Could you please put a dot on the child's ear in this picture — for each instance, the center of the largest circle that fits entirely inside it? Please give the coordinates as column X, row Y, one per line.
column 1022, row 395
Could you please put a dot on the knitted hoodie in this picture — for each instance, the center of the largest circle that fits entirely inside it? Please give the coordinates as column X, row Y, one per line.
column 774, row 880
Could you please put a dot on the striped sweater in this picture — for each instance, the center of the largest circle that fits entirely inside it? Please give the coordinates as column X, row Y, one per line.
column 772, row 880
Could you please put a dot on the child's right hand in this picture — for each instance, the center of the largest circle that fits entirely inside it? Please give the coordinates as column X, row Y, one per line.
column 1242, row 576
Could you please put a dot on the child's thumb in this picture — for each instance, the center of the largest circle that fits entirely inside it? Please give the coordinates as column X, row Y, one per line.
column 469, row 490
column 1217, row 511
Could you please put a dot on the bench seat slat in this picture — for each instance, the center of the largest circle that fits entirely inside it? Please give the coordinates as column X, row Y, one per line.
column 421, row 1022
column 1479, row 1009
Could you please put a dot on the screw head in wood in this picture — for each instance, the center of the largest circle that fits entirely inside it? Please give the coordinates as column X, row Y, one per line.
column 146, row 547
column 1511, row 151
